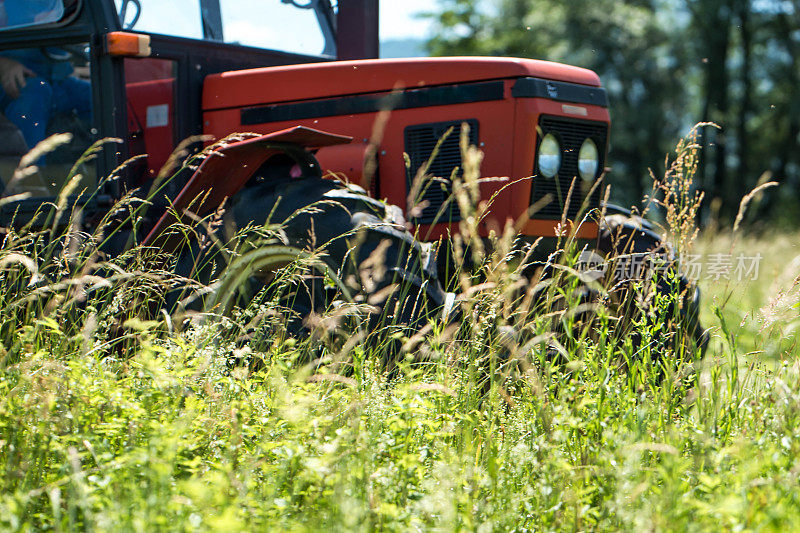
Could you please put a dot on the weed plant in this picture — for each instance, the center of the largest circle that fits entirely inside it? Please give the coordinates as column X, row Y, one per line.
column 131, row 401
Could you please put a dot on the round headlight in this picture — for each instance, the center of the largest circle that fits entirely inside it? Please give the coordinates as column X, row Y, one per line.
column 549, row 159
column 588, row 160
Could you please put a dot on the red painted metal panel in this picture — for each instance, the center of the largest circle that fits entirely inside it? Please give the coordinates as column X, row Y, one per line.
column 235, row 162
column 507, row 127
column 507, row 131
column 322, row 80
column 345, row 162
column 151, row 114
column 494, row 118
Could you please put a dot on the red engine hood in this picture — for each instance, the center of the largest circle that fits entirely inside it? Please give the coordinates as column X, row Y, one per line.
column 243, row 88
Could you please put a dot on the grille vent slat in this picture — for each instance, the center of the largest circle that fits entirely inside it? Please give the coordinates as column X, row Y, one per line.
column 420, row 141
column 571, row 134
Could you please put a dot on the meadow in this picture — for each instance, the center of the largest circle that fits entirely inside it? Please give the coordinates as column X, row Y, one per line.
column 116, row 416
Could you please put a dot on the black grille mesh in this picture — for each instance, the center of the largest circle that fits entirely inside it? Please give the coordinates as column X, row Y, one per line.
column 420, row 141
column 571, row 134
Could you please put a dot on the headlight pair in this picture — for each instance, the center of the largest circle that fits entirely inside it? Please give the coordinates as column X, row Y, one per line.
column 549, row 158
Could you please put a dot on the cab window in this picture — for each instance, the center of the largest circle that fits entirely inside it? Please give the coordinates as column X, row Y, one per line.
column 150, row 91
column 284, row 25
column 27, row 13
column 45, row 90
column 179, row 18
column 272, row 24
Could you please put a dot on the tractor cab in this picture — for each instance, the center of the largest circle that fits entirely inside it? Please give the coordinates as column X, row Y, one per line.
column 130, row 73
column 143, row 76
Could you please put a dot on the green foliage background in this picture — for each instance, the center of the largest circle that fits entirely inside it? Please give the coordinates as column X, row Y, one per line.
column 667, row 65
column 168, row 436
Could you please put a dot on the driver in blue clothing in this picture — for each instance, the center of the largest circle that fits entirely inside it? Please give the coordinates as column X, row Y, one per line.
column 36, row 82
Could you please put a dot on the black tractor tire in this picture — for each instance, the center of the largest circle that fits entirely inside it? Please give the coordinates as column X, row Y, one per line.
column 364, row 241
column 630, row 238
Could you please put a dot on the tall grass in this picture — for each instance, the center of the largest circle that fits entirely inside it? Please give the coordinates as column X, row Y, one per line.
column 124, row 406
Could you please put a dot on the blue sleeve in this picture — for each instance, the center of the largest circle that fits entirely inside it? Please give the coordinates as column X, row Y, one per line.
column 24, row 12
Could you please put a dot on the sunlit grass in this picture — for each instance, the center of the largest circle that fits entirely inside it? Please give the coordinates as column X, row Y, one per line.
column 762, row 311
column 118, row 414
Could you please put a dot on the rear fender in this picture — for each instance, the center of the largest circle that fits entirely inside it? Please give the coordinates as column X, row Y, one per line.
column 227, row 167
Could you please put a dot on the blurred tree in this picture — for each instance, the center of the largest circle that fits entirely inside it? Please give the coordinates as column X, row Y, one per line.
column 632, row 45
column 751, row 87
column 710, row 36
column 666, row 65
column 461, row 29
column 777, row 125
column 743, row 10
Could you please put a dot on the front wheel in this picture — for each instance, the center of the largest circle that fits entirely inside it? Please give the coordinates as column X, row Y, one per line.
column 357, row 249
column 645, row 282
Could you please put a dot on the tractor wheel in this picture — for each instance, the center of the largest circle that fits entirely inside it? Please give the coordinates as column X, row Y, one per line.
column 362, row 242
column 630, row 245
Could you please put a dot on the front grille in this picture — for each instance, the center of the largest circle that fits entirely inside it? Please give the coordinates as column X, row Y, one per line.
column 571, row 134
column 420, row 141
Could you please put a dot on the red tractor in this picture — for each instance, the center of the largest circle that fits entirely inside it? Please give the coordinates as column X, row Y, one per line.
column 156, row 73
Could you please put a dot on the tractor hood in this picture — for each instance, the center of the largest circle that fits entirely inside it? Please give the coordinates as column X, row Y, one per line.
column 251, row 87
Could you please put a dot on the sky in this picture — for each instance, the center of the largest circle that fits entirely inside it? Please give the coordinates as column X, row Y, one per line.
column 269, row 23
column 397, row 21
